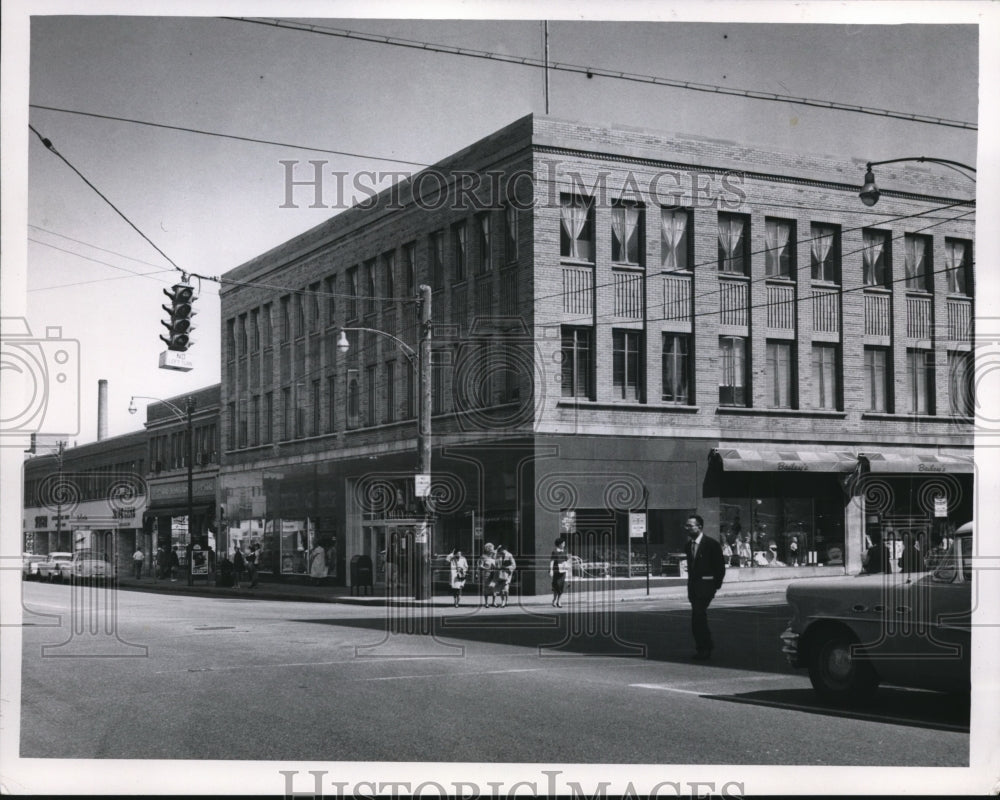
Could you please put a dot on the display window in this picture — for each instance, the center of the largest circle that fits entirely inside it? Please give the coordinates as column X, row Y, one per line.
column 769, row 531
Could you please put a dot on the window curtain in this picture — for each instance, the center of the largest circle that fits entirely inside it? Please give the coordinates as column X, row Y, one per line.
column 954, row 258
column 574, row 219
column 822, row 244
column 730, row 236
column 675, row 384
column 732, row 363
column 673, row 230
column 915, row 248
column 776, row 240
column 824, row 377
column 872, row 248
column 625, row 227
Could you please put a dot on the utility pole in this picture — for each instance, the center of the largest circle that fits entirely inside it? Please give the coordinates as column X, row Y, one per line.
column 545, row 29
column 59, row 493
column 423, row 546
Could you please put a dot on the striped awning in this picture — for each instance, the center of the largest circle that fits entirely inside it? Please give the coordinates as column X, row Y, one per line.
column 918, row 463
column 740, row 459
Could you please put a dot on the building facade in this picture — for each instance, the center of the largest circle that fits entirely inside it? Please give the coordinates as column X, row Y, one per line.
column 92, row 497
column 627, row 327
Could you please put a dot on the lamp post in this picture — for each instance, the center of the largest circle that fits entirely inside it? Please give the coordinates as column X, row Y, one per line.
column 422, row 542
column 188, row 418
column 870, row 193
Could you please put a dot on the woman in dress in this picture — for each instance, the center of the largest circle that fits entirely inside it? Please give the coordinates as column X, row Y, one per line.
column 317, row 562
column 505, row 572
column 459, row 570
column 558, row 570
column 487, row 574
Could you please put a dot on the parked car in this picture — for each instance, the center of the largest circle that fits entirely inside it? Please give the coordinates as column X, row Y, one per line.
column 29, row 565
column 87, row 566
column 56, row 567
column 902, row 629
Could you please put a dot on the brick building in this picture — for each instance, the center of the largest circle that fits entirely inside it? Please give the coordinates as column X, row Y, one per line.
column 623, row 321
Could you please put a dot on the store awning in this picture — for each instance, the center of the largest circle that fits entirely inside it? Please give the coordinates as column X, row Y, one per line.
column 742, row 459
column 918, row 463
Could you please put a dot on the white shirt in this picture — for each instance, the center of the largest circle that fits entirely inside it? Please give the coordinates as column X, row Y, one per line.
column 696, row 545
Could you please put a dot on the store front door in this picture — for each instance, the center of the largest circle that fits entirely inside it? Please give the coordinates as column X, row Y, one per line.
column 390, row 546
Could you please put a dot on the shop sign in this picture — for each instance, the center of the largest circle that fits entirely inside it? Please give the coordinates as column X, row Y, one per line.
column 41, row 522
column 636, row 524
column 940, row 506
column 792, row 466
column 123, row 513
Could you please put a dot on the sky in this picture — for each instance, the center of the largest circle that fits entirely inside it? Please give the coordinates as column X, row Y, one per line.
column 211, row 203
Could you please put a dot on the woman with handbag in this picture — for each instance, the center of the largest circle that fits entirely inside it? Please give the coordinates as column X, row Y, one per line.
column 487, row 574
column 459, row 570
column 559, row 566
column 505, row 572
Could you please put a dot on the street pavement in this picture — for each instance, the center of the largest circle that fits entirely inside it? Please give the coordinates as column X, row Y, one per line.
column 606, row 679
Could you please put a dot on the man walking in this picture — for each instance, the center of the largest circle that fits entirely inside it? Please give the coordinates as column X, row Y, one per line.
column 706, row 571
column 137, row 558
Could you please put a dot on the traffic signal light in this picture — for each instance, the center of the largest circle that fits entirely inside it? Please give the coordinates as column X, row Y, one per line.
column 180, row 310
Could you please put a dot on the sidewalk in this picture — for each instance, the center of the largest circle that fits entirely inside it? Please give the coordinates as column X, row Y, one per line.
column 622, row 591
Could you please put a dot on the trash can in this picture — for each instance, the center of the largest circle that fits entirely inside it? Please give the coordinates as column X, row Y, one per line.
column 361, row 574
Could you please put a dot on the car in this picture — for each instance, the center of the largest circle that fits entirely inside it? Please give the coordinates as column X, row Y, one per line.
column 87, row 566
column 902, row 629
column 29, row 565
column 56, row 567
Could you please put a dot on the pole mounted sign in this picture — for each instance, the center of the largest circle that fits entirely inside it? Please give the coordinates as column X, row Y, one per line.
column 636, row 524
column 422, row 485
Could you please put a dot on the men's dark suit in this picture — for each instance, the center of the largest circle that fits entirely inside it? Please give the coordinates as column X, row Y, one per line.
column 706, row 571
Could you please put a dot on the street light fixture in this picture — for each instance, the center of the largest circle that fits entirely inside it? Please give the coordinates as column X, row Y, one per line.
column 870, row 193
column 180, row 415
column 422, row 544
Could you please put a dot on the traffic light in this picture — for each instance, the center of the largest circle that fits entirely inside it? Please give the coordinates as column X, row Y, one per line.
column 180, row 310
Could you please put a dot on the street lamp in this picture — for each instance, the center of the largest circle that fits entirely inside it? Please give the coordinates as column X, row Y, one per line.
column 180, row 415
column 422, row 543
column 870, row 193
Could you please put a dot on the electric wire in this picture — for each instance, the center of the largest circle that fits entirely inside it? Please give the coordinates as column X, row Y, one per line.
column 131, row 274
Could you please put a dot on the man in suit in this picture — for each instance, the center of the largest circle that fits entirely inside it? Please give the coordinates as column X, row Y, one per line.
column 706, row 571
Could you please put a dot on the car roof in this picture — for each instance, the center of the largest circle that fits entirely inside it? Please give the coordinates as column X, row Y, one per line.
column 60, row 554
column 966, row 528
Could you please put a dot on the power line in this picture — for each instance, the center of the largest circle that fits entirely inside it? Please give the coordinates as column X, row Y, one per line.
column 131, row 274
column 88, row 244
column 51, row 148
column 224, row 135
column 591, row 72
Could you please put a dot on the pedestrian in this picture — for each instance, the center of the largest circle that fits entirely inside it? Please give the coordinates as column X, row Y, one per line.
column 793, row 552
column 317, row 562
column 459, row 570
column 175, row 564
column 706, row 571
column 876, row 557
column 137, row 558
column 253, row 563
column 239, row 565
column 160, row 563
column 488, row 574
column 910, row 559
column 505, row 572
column 559, row 569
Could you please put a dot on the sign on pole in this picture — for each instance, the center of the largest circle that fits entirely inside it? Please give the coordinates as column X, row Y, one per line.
column 422, row 485
column 940, row 506
column 636, row 524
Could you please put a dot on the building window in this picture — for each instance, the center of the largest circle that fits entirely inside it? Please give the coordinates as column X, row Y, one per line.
column 267, row 331
column 370, row 395
column 825, row 369
column 243, row 423
column 733, row 371
column 410, row 382
column 577, row 366
column 956, row 257
column 370, row 291
column 779, row 258
column 231, row 411
column 330, row 288
column 437, row 382
column 960, row 397
column 314, row 320
column 920, row 380
column 254, row 421
column 299, row 309
column 242, row 342
column 877, row 379
column 675, row 239
column 875, row 258
column 825, row 253
column 676, row 368
column 389, row 270
column 231, row 339
column 390, row 391
column 316, row 409
column 268, row 417
column 626, row 361
column 255, row 331
column 917, row 263
column 460, row 245
column 626, row 233
column 483, row 227
column 510, row 232
column 352, row 293
column 734, row 235
column 410, row 267
column 286, row 413
column 437, row 259
column 576, row 238
column 780, row 375
column 331, row 403
column 286, row 318
column 353, row 399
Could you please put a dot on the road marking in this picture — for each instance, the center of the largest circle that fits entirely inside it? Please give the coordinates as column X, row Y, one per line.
column 797, row 707
column 449, row 674
column 295, row 664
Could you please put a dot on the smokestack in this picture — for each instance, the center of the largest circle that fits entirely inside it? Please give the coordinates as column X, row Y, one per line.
column 102, row 409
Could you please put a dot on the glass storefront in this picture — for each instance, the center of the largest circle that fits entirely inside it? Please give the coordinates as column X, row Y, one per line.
column 782, row 531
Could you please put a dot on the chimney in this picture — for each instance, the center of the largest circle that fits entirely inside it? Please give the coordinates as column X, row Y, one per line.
column 102, row 409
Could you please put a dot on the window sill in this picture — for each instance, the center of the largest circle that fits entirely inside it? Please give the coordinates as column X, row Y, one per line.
column 812, row 413
column 733, row 276
column 917, row 417
column 624, row 405
column 566, row 261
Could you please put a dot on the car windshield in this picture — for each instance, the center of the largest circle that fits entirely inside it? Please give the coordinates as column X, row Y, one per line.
column 966, row 543
column 947, row 568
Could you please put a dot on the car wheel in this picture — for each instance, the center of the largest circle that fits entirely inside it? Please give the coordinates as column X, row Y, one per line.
column 836, row 675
